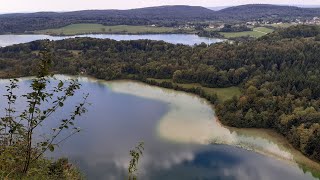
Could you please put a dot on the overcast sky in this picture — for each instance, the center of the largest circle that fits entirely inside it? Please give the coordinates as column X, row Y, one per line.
column 70, row 5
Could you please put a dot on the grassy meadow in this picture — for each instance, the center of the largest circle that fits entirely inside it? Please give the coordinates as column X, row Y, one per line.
column 256, row 33
column 222, row 93
column 76, row 29
column 99, row 28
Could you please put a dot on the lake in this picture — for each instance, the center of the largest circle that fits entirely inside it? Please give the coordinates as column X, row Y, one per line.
column 186, row 39
column 178, row 130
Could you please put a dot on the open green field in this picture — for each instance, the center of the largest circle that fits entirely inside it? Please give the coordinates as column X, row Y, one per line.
column 222, row 93
column 99, row 28
column 263, row 29
column 283, row 25
column 256, row 33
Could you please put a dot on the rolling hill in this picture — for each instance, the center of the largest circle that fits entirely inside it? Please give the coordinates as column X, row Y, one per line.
column 254, row 11
column 161, row 15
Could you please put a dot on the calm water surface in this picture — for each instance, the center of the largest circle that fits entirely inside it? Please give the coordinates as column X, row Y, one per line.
column 176, row 128
column 187, row 39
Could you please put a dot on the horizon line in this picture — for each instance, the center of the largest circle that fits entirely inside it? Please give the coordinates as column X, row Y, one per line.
column 208, row 7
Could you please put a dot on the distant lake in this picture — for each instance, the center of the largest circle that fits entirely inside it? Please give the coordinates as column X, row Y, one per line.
column 177, row 129
column 186, row 39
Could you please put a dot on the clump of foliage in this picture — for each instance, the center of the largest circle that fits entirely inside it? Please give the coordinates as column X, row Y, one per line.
column 20, row 151
column 211, row 34
column 135, row 153
column 302, row 31
column 231, row 28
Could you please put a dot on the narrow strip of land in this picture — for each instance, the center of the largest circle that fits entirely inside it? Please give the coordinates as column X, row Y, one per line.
column 76, row 29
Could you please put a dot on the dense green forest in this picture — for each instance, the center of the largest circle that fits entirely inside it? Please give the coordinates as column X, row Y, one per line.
column 279, row 75
column 267, row 12
column 230, row 28
column 169, row 16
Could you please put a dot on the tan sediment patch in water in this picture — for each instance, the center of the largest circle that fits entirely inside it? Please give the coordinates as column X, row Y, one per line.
column 184, row 130
column 191, row 119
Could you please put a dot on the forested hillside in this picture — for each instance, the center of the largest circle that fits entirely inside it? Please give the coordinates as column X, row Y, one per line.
column 162, row 16
column 265, row 11
column 279, row 74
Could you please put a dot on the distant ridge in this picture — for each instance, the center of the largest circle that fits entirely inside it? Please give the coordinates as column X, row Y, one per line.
column 184, row 11
column 160, row 15
column 254, row 11
column 163, row 10
column 308, row 6
column 186, row 8
column 218, row 8
column 163, row 15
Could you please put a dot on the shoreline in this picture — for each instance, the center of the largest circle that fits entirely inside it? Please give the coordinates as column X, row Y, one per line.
column 185, row 39
column 119, row 33
column 281, row 141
